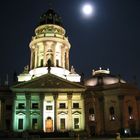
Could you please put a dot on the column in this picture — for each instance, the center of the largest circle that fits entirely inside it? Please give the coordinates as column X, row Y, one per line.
column 62, row 56
column 54, row 53
column 27, row 127
column 67, row 58
column 44, row 57
column 55, row 96
column 69, row 96
column 35, row 57
column 41, row 111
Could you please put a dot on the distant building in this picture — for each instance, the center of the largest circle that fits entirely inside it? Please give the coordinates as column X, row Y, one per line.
column 6, row 107
column 50, row 96
column 111, row 105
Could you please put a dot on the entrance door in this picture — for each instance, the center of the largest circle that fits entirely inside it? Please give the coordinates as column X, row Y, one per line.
column 62, row 124
column 49, row 124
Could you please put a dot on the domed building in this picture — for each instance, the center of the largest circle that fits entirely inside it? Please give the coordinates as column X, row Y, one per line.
column 102, row 77
column 111, row 105
column 51, row 97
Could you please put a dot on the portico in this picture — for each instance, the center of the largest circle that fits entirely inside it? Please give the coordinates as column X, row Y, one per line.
column 53, row 105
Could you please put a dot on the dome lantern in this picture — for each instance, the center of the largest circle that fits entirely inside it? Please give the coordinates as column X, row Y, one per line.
column 50, row 17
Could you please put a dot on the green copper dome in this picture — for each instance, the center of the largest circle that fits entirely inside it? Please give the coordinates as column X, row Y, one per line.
column 50, row 17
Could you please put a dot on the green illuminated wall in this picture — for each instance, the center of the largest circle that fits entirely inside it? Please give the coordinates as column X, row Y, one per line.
column 27, row 112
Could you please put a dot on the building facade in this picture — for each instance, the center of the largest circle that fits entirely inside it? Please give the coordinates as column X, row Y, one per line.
column 49, row 103
column 50, row 96
column 112, row 105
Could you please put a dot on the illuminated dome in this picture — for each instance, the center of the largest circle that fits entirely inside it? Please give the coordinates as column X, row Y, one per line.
column 102, row 77
column 50, row 17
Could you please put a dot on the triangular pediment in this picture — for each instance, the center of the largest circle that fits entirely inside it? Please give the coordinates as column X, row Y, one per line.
column 76, row 112
column 48, row 82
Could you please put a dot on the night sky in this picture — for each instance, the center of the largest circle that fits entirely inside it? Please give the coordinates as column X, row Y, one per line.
column 109, row 39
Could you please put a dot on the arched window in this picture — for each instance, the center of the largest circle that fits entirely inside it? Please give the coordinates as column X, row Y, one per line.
column 111, row 110
column 112, row 113
column 130, row 112
column 41, row 62
column 91, row 111
column 50, row 58
column 57, row 63
column 91, row 114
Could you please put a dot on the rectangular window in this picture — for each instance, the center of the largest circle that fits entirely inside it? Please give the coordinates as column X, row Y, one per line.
column 75, row 105
column 62, row 123
column 35, row 106
column 48, row 107
column 21, row 106
column 20, row 124
column 34, row 123
column 62, row 105
column 76, row 123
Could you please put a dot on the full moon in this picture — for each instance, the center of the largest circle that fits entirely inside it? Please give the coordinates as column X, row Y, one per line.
column 87, row 9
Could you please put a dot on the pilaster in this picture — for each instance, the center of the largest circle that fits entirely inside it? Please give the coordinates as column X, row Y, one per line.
column 41, row 111
column 121, row 100
column 69, row 96
column 102, row 114
column 82, row 112
column 28, row 97
column 55, row 96
column 14, row 113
